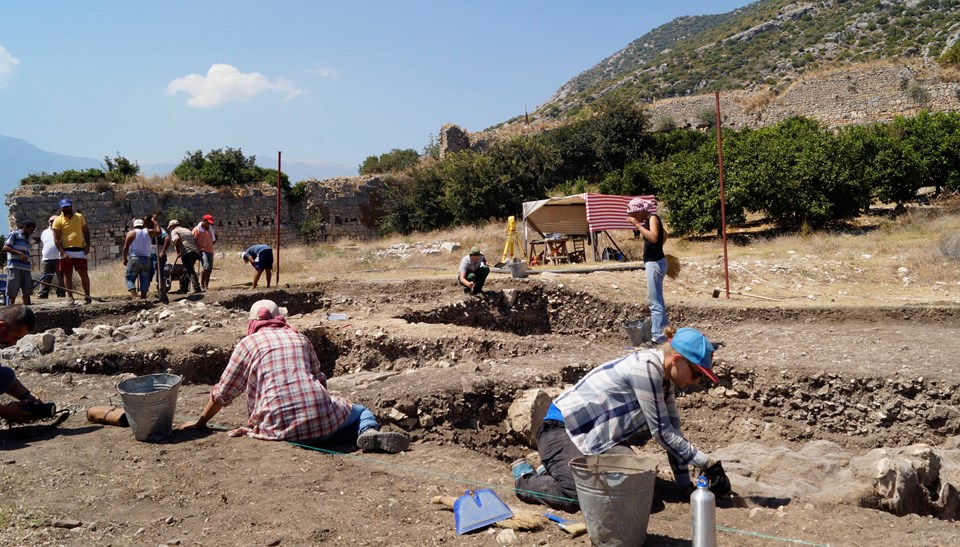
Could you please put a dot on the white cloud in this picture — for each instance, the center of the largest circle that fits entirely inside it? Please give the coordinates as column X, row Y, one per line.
column 7, row 62
column 324, row 72
column 225, row 84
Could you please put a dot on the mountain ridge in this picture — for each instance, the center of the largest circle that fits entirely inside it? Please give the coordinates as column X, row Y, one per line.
column 764, row 46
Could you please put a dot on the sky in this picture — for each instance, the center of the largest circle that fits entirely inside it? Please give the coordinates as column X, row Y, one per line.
column 323, row 82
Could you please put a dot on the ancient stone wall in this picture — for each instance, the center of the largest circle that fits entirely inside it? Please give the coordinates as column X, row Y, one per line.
column 452, row 140
column 862, row 94
column 244, row 216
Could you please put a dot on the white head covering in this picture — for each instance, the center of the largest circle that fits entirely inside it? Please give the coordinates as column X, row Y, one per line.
column 265, row 307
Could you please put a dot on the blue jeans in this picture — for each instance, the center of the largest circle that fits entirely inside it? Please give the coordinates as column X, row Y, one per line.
column 360, row 420
column 138, row 268
column 658, row 309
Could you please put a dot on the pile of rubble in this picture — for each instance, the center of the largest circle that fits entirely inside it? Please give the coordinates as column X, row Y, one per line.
column 402, row 251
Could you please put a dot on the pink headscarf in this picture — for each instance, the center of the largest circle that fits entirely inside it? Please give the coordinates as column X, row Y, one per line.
column 638, row 205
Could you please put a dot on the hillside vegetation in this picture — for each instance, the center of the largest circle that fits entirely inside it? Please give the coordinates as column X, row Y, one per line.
column 767, row 44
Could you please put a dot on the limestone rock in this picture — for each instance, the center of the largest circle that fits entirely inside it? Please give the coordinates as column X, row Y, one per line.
column 44, row 341
column 525, row 415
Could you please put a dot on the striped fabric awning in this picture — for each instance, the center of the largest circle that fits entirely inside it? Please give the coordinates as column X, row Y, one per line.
column 579, row 214
column 609, row 212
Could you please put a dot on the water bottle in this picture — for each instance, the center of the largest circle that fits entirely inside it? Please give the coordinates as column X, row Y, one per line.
column 703, row 506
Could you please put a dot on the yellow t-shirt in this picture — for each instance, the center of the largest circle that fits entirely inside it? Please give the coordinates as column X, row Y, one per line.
column 71, row 230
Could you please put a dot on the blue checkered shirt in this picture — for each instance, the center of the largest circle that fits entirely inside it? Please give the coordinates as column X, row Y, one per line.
column 623, row 398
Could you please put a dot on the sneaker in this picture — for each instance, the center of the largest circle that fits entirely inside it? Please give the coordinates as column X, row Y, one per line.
column 88, row 300
column 391, row 442
column 521, row 468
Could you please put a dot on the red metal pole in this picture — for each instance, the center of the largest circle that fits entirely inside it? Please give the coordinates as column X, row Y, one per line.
column 277, row 265
column 723, row 206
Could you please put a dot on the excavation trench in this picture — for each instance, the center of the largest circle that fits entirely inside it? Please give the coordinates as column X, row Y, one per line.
column 452, row 373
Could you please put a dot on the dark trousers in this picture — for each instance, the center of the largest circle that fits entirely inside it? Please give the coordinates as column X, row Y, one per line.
column 556, row 488
column 49, row 270
column 190, row 271
column 478, row 277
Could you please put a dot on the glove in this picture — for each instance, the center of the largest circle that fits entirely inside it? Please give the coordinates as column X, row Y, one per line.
column 717, row 479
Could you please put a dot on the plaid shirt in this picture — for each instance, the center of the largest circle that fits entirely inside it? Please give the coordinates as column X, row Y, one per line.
column 622, row 398
column 287, row 397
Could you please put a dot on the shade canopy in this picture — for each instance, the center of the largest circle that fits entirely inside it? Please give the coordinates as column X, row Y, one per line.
column 579, row 214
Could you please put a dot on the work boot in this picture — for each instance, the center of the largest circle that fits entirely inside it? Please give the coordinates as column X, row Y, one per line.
column 521, row 468
column 391, row 442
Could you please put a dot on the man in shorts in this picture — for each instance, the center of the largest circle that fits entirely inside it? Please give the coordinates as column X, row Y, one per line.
column 205, row 237
column 261, row 256
column 17, row 247
column 72, row 237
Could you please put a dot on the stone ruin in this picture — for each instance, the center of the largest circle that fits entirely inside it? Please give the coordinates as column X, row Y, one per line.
column 336, row 208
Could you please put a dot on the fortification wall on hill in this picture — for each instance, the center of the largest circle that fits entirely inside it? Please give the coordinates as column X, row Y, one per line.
column 244, row 216
column 856, row 95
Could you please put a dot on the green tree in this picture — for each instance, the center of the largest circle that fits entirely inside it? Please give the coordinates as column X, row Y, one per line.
column 936, row 140
column 780, row 170
column 120, row 169
column 393, row 161
column 688, row 184
column 226, row 167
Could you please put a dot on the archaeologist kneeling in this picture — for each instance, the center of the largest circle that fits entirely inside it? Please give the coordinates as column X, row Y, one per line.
column 287, row 397
column 627, row 397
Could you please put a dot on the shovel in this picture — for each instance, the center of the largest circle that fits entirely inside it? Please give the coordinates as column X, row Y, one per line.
column 71, row 291
column 477, row 509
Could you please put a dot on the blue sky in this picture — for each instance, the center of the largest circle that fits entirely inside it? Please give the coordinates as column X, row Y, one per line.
column 326, row 82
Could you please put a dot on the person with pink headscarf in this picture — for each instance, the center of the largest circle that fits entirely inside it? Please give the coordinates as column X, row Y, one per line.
column 278, row 370
column 640, row 213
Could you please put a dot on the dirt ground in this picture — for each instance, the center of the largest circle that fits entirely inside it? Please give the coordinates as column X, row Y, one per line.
column 444, row 367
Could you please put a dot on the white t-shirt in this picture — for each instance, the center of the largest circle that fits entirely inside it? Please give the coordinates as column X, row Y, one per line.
column 467, row 265
column 49, row 251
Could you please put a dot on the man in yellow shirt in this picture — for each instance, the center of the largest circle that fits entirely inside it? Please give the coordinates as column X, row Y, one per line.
column 72, row 237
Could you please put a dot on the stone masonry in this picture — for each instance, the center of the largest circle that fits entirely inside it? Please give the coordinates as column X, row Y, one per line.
column 244, row 216
column 853, row 95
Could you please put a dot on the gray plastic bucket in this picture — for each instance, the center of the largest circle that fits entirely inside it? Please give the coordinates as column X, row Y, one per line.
column 518, row 269
column 150, row 403
column 616, row 494
column 638, row 331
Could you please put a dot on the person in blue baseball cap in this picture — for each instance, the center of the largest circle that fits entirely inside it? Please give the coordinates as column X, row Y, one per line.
column 621, row 402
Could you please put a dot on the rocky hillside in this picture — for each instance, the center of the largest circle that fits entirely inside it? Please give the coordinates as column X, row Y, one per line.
column 763, row 46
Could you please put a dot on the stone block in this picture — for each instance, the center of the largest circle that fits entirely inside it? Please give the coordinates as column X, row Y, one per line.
column 525, row 415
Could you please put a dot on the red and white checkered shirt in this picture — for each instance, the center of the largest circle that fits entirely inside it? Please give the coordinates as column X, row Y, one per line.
column 287, row 398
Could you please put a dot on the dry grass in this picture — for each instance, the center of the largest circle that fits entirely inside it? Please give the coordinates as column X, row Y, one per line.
column 857, row 266
column 950, row 73
column 758, row 101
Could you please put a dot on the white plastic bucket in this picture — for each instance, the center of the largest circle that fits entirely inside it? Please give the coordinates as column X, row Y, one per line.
column 150, row 403
column 638, row 331
column 616, row 495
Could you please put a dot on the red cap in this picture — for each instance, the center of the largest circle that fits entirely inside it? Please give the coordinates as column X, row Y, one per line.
column 208, row 218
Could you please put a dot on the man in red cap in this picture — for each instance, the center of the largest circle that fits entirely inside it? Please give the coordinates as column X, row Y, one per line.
column 205, row 237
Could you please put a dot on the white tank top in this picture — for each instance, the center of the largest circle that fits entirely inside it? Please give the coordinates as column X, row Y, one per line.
column 141, row 243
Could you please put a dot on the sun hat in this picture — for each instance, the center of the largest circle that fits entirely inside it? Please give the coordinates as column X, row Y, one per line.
column 637, row 205
column 173, row 223
column 265, row 309
column 138, row 223
column 475, row 250
column 65, row 203
column 208, row 218
column 695, row 348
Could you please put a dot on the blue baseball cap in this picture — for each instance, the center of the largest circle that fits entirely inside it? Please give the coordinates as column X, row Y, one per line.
column 65, row 203
column 695, row 348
